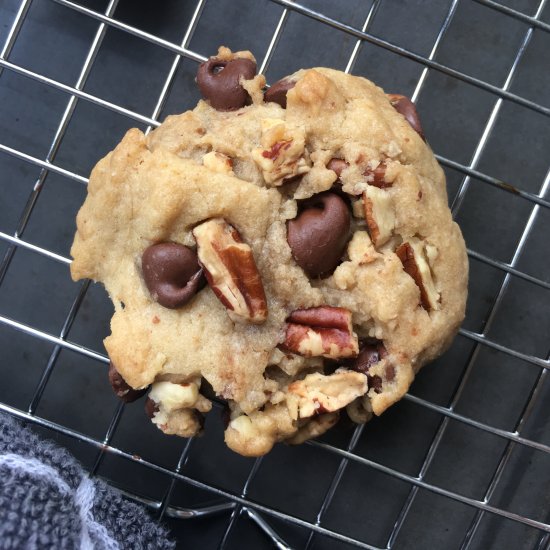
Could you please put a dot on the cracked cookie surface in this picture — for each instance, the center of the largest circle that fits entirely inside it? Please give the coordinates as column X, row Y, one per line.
column 295, row 251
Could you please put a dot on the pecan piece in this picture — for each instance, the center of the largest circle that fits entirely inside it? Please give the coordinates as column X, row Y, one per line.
column 321, row 331
column 379, row 214
column 218, row 162
column 377, row 176
column 416, row 263
column 283, row 155
column 319, row 393
column 230, row 270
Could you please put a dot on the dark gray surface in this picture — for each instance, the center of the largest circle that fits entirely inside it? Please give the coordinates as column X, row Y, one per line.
column 128, row 71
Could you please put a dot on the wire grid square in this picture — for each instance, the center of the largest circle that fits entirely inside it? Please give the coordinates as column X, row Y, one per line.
column 519, row 485
column 488, row 281
column 403, row 438
column 18, row 178
column 20, row 349
column 450, row 107
column 537, row 248
column 492, row 32
column 465, row 460
column 496, row 236
column 184, row 90
column 88, row 384
column 443, row 376
column 513, row 494
column 125, row 62
column 536, row 427
column 525, row 6
column 45, row 28
column 245, row 16
column 203, row 465
column 164, row 20
column 91, row 130
column 27, row 290
column 17, row 107
column 9, row 9
column 51, row 225
column 497, row 389
column 524, row 306
column 309, row 38
column 374, row 61
column 463, row 112
column 244, row 537
column 445, row 520
column 149, row 445
column 97, row 5
column 516, row 150
column 381, row 499
column 134, row 477
column 298, row 479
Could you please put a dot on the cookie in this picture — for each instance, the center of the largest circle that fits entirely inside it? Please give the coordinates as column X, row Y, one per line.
column 289, row 251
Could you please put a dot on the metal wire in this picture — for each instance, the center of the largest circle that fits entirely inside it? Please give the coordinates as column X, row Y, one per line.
column 240, row 504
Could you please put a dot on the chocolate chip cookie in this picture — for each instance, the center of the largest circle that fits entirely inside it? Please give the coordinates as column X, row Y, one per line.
column 288, row 251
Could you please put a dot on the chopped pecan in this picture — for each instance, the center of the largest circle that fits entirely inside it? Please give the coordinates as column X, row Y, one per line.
column 319, row 393
column 321, row 331
column 377, row 176
column 230, row 270
column 379, row 215
column 283, row 155
column 174, row 407
column 416, row 263
column 218, row 162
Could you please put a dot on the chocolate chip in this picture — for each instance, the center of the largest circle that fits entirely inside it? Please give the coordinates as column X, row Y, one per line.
column 369, row 355
column 407, row 108
column 337, row 165
column 319, row 234
column 219, row 82
column 375, row 382
column 122, row 390
column 277, row 92
column 151, row 408
column 172, row 273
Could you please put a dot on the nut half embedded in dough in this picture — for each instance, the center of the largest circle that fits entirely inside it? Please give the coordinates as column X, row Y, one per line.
column 320, row 394
column 379, row 214
column 415, row 262
column 321, row 331
column 230, row 270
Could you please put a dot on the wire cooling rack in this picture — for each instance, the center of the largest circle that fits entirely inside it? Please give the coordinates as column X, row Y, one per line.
column 463, row 460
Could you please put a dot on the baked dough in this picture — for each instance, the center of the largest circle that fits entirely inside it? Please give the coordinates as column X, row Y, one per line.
column 346, row 326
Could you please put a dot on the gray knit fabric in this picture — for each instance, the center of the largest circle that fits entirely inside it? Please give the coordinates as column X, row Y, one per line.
column 47, row 501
